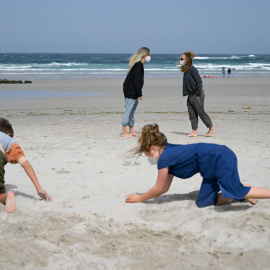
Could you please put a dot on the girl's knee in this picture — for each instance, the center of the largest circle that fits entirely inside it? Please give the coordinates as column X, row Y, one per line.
column 200, row 204
column 203, row 203
column 211, row 200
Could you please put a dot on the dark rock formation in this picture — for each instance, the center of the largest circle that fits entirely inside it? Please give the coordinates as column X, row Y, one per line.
column 13, row 81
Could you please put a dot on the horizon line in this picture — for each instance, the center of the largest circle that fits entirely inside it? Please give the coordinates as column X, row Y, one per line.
column 128, row 53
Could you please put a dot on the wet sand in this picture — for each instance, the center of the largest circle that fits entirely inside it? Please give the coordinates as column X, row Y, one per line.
column 75, row 146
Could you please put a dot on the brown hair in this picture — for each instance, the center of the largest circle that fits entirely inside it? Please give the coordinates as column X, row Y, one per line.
column 150, row 135
column 6, row 127
column 188, row 62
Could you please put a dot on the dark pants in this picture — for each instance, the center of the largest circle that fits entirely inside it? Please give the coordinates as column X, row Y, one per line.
column 2, row 172
column 196, row 108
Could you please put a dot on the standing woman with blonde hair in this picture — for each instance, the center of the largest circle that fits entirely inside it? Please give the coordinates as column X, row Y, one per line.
column 192, row 87
column 132, row 89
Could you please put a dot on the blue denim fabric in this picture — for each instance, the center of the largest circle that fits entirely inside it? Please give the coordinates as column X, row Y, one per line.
column 130, row 108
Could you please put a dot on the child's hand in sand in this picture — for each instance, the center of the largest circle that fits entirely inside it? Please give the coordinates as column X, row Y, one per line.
column 133, row 198
column 44, row 195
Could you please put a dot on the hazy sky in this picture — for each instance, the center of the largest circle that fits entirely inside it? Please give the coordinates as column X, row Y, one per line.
column 122, row 26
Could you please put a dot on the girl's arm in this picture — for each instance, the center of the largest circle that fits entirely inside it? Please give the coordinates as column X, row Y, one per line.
column 31, row 173
column 163, row 184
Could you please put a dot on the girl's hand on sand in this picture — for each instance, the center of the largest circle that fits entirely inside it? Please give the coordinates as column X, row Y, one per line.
column 44, row 195
column 133, row 198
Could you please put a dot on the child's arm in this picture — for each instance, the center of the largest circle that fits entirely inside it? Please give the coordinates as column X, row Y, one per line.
column 163, row 184
column 31, row 173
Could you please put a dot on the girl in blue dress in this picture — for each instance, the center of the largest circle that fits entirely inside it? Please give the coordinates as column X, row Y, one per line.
column 217, row 164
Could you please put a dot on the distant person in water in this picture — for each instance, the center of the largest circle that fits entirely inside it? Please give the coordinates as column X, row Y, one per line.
column 217, row 164
column 11, row 152
column 223, row 72
column 229, row 72
column 132, row 89
column 192, row 87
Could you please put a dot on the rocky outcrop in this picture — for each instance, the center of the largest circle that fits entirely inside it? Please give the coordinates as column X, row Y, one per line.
column 13, row 81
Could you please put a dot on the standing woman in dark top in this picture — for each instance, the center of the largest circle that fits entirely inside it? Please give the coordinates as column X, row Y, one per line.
column 192, row 87
column 132, row 89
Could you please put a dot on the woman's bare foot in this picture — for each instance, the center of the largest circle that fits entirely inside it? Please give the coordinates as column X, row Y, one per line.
column 193, row 134
column 134, row 134
column 126, row 135
column 10, row 202
column 252, row 201
column 210, row 132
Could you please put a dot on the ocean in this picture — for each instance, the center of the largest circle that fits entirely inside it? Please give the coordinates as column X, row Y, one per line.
column 54, row 65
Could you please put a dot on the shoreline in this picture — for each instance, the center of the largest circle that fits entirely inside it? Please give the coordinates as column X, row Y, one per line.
column 112, row 77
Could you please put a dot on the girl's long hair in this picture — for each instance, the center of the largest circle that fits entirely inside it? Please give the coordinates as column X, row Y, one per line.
column 138, row 56
column 188, row 62
column 150, row 135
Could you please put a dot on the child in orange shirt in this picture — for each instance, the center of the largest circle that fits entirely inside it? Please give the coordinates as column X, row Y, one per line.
column 11, row 152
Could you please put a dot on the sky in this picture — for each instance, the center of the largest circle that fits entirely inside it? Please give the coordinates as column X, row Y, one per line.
column 123, row 26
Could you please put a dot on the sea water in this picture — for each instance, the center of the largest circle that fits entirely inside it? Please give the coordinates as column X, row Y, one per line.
column 53, row 66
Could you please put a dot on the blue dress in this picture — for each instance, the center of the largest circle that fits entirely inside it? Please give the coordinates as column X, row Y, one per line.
column 217, row 164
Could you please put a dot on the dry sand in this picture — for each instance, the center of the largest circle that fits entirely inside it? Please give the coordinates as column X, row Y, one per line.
column 75, row 147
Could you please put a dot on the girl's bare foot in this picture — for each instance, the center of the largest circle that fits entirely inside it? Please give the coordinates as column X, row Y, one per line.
column 252, row 201
column 10, row 202
column 192, row 134
column 210, row 132
column 126, row 135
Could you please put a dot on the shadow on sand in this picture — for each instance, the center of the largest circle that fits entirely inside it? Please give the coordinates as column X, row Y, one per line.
column 232, row 205
column 18, row 193
column 185, row 134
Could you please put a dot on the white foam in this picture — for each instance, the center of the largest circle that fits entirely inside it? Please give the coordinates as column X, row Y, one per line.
column 235, row 57
column 161, row 69
column 13, row 66
column 201, row 57
column 217, row 57
column 63, row 64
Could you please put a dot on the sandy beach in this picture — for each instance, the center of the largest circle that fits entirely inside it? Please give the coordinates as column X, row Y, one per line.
column 74, row 144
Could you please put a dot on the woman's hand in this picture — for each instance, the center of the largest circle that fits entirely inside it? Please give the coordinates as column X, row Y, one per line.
column 140, row 98
column 44, row 195
column 133, row 198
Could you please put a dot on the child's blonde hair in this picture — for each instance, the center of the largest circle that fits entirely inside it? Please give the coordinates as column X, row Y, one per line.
column 138, row 56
